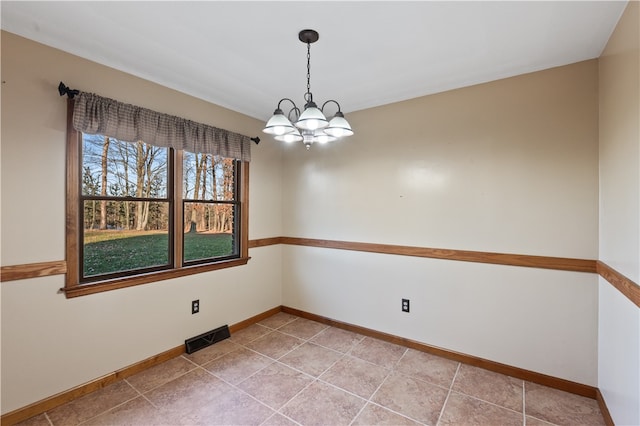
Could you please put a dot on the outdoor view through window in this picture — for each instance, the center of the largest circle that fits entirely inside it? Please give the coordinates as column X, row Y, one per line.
column 131, row 198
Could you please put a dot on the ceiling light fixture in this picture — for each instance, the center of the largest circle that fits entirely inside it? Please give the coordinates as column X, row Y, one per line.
column 311, row 125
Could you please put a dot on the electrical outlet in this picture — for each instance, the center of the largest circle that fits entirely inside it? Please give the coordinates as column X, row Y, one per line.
column 195, row 306
column 405, row 305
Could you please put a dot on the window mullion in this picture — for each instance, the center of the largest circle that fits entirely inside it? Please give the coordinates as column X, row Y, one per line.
column 178, row 208
column 243, row 186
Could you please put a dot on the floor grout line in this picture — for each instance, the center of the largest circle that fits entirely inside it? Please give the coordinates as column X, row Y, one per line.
column 524, row 405
column 139, row 394
column 448, row 394
column 406, row 416
column 46, row 416
column 279, row 414
column 485, row 401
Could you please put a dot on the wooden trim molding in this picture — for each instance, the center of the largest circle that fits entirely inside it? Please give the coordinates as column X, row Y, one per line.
column 257, row 318
column 32, row 270
column 263, row 242
column 18, row 272
column 59, row 267
column 86, row 289
column 545, row 262
column 54, row 401
column 608, row 420
column 72, row 227
column 627, row 287
column 531, row 376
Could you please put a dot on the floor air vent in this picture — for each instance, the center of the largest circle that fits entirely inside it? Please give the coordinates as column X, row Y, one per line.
column 206, row 339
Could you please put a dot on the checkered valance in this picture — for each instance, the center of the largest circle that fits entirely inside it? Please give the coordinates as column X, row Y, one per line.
column 97, row 115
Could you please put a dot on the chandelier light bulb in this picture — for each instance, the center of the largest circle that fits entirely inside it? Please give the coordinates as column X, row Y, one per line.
column 289, row 137
column 311, row 118
column 322, row 138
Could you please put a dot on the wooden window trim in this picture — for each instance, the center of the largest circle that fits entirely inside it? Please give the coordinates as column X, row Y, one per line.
column 74, row 288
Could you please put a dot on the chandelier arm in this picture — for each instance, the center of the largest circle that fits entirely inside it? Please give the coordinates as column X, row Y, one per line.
column 330, row 100
column 296, row 110
column 287, row 99
column 293, row 109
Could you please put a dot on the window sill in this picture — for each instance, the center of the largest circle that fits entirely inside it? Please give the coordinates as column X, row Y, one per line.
column 86, row 289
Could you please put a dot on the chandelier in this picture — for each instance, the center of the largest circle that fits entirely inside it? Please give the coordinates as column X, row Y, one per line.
column 309, row 126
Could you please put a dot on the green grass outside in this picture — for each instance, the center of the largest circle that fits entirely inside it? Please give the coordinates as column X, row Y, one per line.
column 115, row 251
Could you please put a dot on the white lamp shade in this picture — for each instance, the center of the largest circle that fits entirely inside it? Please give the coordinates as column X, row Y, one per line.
column 338, row 127
column 289, row 137
column 278, row 124
column 312, row 119
column 322, row 137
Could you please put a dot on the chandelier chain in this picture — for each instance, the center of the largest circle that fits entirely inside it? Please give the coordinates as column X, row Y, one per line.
column 308, row 72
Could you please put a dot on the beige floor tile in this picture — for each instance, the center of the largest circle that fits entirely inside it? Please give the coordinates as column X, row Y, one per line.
column 186, row 395
column 462, row 409
column 40, row 420
column 356, row 376
column 232, row 408
column 428, row 367
column 278, row 320
column 303, row 328
column 378, row 352
column 134, row 413
column 249, row 334
column 558, row 407
column 337, row 339
column 275, row 385
column 160, row 374
column 238, row 365
column 322, row 404
column 311, row 358
column 489, row 386
column 411, row 397
column 212, row 352
column 91, row 405
column 275, row 344
column 375, row 415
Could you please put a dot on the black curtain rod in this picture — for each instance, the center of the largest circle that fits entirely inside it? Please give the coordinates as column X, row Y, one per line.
column 71, row 93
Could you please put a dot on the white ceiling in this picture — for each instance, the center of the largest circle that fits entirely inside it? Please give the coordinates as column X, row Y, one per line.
column 246, row 56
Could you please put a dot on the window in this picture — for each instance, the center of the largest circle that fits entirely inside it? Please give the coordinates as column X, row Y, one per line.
column 211, row 208
column 138, row 213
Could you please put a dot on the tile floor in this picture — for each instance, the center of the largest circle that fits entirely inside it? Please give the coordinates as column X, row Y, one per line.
column 287, row 370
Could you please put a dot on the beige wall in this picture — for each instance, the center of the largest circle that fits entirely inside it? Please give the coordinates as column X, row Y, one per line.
column 50, row 343
column 619, row 318
column 509, row 166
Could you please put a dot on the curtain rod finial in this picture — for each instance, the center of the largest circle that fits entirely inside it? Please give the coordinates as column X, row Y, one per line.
column 256, row 140
column 64, row 90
